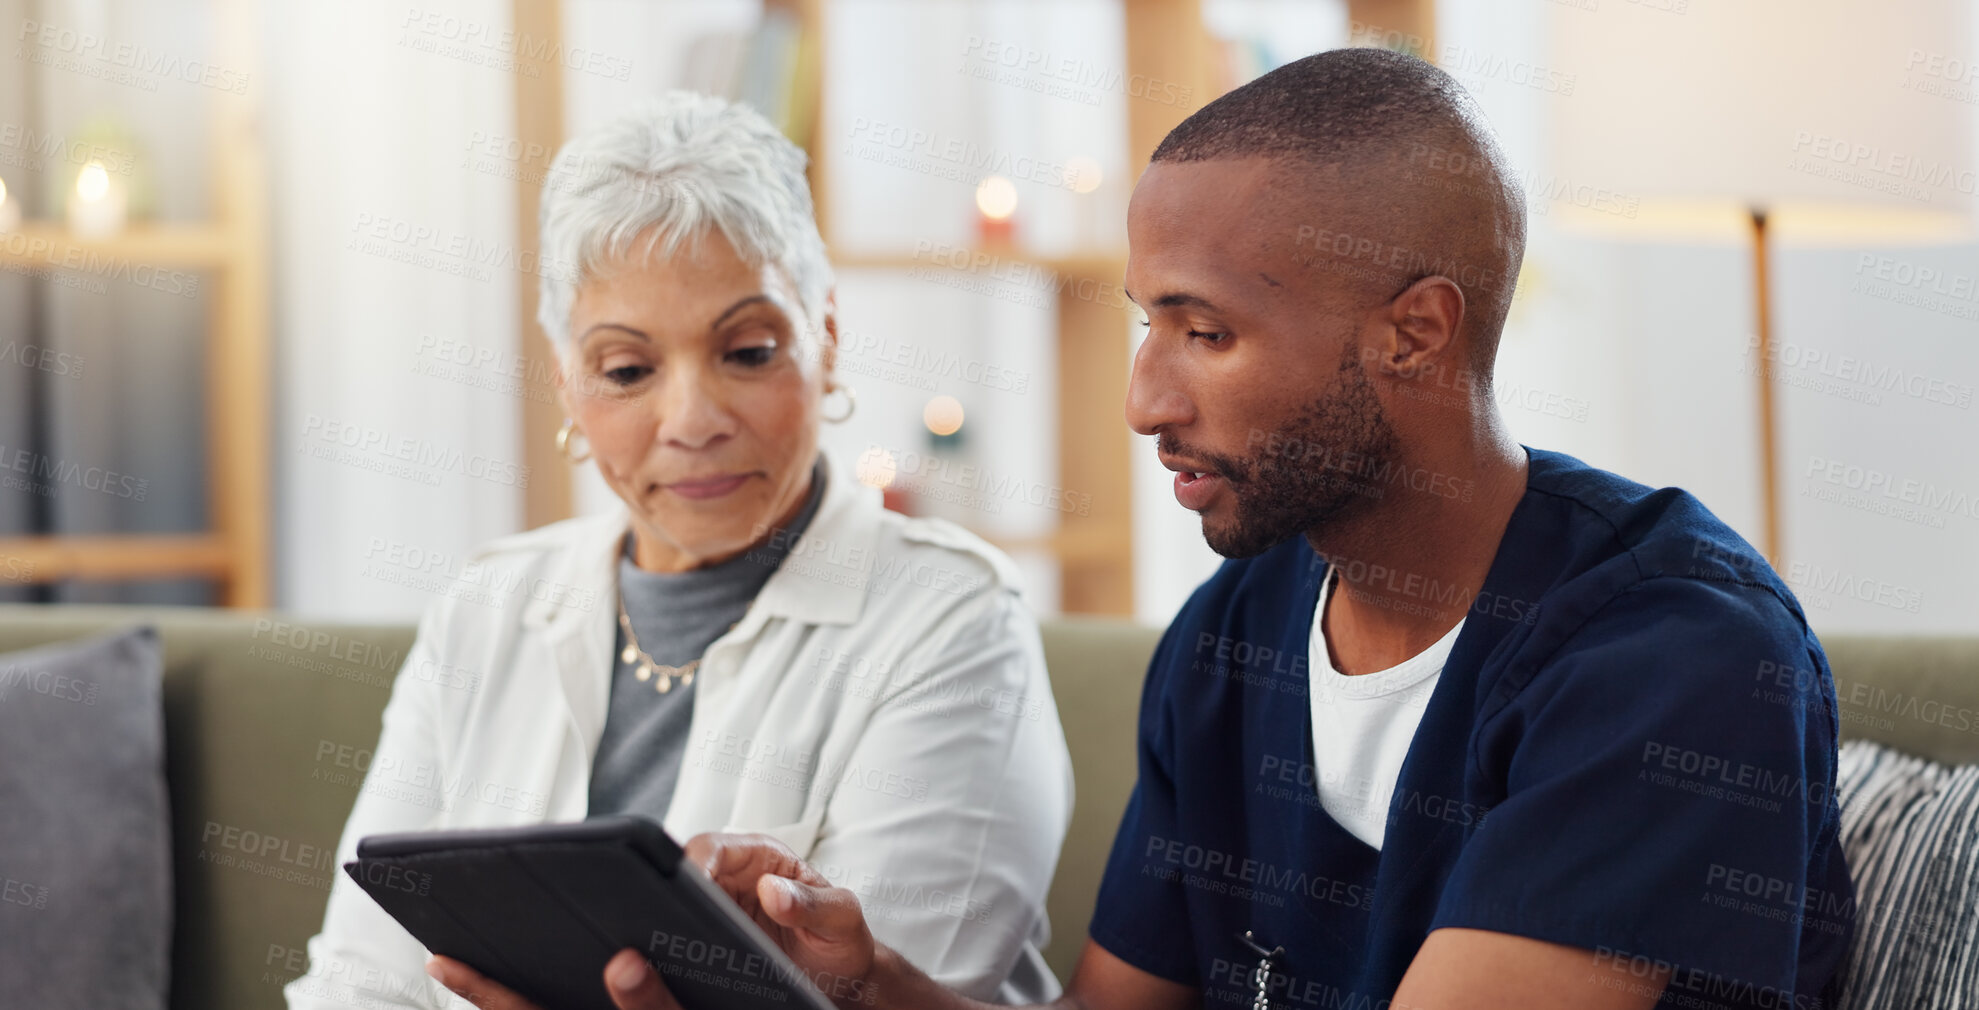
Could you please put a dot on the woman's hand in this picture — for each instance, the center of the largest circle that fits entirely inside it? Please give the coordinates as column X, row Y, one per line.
column 821, row 927
column 628, row 978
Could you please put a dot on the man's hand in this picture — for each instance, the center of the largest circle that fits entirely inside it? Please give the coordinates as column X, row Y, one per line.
column 628, row 978
column 821, row 927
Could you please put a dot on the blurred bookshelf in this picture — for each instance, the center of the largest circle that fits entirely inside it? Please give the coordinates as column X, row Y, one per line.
column 1094, row 552
column 232, row 250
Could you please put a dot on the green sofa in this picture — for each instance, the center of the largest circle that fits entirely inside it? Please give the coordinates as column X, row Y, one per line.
column 269, row 720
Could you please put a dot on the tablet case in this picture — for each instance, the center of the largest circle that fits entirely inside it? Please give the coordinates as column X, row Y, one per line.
column 541, row 909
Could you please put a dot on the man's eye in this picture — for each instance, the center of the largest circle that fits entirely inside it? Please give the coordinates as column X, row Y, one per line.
column 1209, row 337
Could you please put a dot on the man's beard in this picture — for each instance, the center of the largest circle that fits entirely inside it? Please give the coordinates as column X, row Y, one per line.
column 1310, row 472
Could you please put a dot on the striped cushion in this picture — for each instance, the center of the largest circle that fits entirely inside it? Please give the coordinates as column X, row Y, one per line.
column 1910, row 828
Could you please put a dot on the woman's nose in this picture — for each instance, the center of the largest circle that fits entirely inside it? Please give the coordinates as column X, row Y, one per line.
column 694, row 413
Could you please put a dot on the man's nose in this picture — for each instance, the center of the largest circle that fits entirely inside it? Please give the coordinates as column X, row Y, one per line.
column 1155, row 400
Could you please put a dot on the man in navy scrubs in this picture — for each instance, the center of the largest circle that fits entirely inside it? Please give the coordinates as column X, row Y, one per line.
column 1461, row 723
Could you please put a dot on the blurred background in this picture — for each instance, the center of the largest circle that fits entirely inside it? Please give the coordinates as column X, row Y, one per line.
column 267, row 272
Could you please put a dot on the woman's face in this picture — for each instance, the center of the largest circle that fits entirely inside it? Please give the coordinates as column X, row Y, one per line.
column 696, row 384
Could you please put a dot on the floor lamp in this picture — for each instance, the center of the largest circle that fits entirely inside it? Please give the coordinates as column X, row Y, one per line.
column 1767, row 122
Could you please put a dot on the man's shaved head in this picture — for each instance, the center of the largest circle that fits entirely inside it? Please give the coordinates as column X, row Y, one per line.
column 1416, row 183
column 1326, row 258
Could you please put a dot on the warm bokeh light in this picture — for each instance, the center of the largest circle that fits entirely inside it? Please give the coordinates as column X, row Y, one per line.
column 877, row 467
column 943, row 415
column 996, row 198
column 1083, row 174
column 93, row 182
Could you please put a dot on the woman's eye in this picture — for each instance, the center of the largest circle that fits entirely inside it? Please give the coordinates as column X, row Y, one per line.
column 753, row 357
column 1215, row 337
column 626, row 375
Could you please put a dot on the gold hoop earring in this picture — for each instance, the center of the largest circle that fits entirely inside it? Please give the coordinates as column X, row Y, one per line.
column 563, row 442
column 851, row 403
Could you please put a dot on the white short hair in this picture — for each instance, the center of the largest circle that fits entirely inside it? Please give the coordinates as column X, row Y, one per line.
column 670, row 169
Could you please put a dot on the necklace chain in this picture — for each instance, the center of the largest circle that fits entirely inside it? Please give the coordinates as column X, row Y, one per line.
column 644, row 667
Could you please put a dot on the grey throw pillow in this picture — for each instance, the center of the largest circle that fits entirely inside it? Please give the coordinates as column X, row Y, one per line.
column 85, row 838
column 1910, row 828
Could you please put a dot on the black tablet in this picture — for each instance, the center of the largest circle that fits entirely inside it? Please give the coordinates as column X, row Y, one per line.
column 541, row 909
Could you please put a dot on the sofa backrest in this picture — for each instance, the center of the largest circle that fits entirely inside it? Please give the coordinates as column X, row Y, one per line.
column 270, row 722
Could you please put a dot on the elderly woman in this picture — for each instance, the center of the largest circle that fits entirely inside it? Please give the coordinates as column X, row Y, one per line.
column 749, row 644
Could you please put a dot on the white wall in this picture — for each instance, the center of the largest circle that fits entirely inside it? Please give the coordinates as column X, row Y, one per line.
column 369, row 128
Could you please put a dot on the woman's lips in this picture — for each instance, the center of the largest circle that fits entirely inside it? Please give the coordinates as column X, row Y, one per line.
column 708, row 487
column 1194, row 491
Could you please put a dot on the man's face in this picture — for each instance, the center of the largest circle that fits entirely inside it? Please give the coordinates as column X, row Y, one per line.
column 1251, row 375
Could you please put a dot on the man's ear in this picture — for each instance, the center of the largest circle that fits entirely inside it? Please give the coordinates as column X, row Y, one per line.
column 1423, row 320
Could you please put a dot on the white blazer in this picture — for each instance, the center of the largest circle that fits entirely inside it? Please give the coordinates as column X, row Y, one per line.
column 882, row 708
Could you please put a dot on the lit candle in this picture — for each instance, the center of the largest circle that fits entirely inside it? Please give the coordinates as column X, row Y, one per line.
column 1083, row 176
column 996, row 201
column 97, row 207
column 10, row 212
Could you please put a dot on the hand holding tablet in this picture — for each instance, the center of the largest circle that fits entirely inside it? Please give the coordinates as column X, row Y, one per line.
column 541, row 910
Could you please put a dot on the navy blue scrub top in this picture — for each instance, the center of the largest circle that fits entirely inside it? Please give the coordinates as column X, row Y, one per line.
column 1631, row 750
